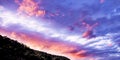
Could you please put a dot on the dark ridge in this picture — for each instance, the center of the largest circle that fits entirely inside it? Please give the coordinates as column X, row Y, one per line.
column 12, row 50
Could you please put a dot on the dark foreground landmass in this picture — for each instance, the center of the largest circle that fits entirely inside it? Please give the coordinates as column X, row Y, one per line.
column 12, row 50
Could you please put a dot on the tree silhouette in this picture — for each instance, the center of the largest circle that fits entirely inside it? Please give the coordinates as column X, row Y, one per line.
column 12, row 50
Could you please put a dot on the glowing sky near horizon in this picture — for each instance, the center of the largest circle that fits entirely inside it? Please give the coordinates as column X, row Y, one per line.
column 50, row 27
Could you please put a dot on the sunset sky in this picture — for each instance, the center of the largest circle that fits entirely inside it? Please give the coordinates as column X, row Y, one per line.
column 77, row 29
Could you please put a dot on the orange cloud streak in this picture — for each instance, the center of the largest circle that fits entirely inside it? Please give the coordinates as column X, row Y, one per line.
column 29, row 7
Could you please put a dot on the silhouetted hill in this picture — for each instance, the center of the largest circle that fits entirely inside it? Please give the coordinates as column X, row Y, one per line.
column 12, row 50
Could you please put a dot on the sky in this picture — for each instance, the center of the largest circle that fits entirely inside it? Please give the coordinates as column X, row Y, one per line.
column 77, row 29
